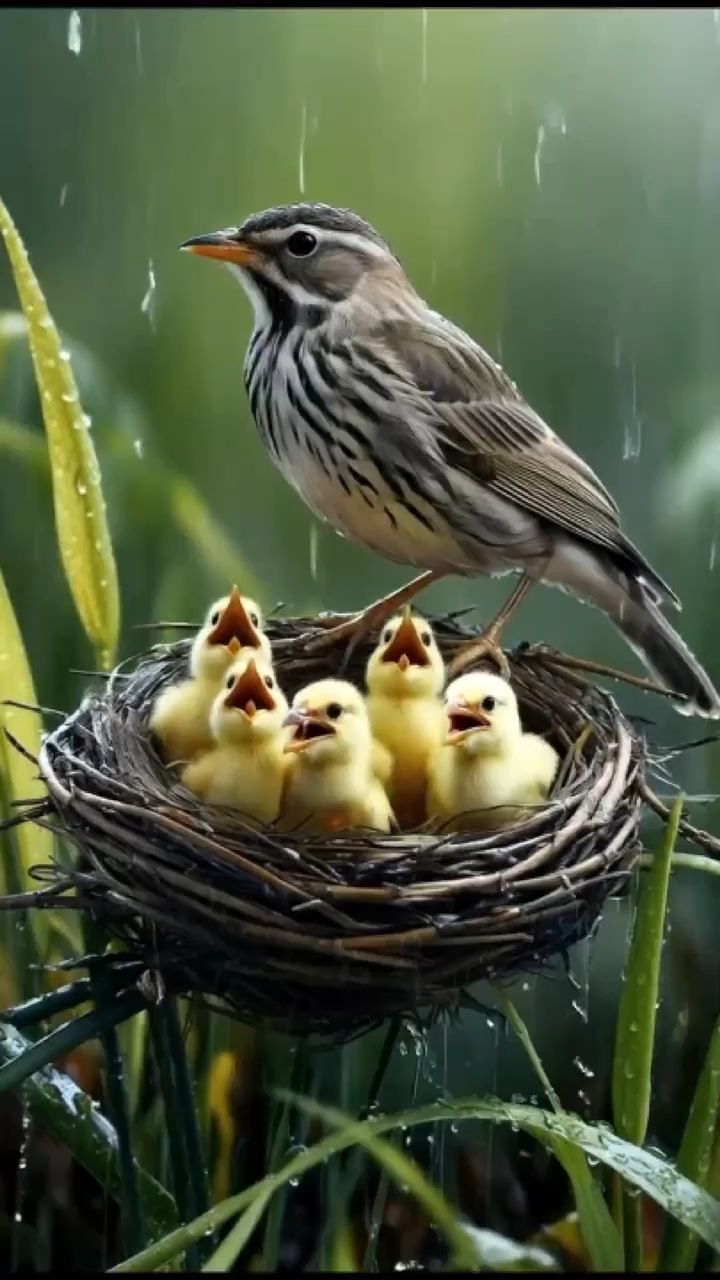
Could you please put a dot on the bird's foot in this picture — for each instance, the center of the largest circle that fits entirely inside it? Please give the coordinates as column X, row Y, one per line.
column 485, row 648
column 354, row 629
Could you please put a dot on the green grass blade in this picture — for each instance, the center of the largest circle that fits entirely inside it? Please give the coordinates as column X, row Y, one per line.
column 232, row 1246
column 61, row 1107
column 635, row 1036
column 600, row 1235
column 66, row 1038
column 658, row 1179
column 80, row 518
column 680, row 1245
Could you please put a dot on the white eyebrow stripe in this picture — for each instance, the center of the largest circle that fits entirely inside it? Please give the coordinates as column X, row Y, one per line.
column 348, row 239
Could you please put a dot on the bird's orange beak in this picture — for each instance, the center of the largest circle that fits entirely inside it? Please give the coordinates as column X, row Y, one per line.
column 463, row 719
column 234, row 627
column 224, row 245
column 250, row 693
column 308, row 725
column 406, row 647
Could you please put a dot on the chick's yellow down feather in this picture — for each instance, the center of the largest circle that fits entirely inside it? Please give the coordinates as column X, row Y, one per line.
column 181, row 716
column 332, row 782
column 488, row 772
column 246, row 769
column 404, row 677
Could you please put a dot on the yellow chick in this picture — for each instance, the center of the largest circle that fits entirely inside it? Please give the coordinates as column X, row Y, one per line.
column 405, row 675
column 246, row 769
column 487, row 766
column 181, row 715
column 332, row 783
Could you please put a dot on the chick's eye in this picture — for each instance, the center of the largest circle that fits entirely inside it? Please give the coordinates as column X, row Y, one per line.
column 301, row 244
column 270, row 682
column 426, row 637
column 215, row 618
column 254, row 619
column 230, row 682
column 488, row 704
column 333, row 710
column 387, row 637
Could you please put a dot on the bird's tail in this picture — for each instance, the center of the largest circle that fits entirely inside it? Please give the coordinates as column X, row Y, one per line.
column 663, row 652
column 630, row 605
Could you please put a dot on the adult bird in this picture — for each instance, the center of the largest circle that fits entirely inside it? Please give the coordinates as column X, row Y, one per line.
column 397, row 429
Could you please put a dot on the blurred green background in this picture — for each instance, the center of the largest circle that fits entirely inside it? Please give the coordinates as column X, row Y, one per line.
column 551, row 181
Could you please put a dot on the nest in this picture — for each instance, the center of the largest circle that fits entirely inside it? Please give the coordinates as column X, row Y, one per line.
column 331, row 935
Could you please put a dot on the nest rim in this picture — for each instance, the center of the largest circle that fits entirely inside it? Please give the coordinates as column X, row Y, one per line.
column 328, row 936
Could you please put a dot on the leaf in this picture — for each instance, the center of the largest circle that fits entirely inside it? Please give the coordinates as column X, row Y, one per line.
column 18, row 774
column 80, row 519
column 660, row 1180
column 498, row 1253
column 600, row 1235
column 680, row 1245
column 635, row 1036
column 226, row 1253
column 68, row 1114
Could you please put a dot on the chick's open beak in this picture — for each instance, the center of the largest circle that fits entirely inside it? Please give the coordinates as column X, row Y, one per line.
column 308, row 726
column 463, row 719
column 406, row 648
column 234, row 627
column 224, row 245
column 250, row 693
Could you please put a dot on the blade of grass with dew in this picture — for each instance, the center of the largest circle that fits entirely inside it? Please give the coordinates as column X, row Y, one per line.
column 679, row 1245
column 68, row 1114
column 657, row 1178
column 80, row 517
column 600, row 1235
column 227, row 1253
column 20, row 781
column 635, row 1035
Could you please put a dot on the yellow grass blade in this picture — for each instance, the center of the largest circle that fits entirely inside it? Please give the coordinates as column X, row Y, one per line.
column 19, row 776
column 80, row 519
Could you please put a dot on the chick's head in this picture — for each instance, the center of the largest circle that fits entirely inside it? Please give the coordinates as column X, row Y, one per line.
column 482, row 714
column 250, row 705
column 406, row 662
column 330, row 724
column 232, row 624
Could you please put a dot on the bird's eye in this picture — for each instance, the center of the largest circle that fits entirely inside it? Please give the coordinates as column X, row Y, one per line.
column 426, row 637
column 301, row 244
column 230, row 682
column 215, row 618
column 387, row 637
column 488, row 704
column 254, row 619
column 270, row 682
column 333, row 710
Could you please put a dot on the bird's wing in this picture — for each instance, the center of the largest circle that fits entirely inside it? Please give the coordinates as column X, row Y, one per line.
column 488, row 431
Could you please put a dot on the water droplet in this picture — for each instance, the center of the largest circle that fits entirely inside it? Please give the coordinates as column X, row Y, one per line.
column 538, row 153
column 424, row 46
column 585, row 1070
column 314, row 551
column 81, row 488
column 301, row 152
column 74, row 32
column 139, row 447
column 63, row 193
column 147, row 306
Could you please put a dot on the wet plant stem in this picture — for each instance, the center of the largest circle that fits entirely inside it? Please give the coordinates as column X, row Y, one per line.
column 176, row 1144
column 198, row 1189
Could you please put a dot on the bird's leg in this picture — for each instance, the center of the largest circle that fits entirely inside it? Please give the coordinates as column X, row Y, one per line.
column 355, row 628
column 488, row 644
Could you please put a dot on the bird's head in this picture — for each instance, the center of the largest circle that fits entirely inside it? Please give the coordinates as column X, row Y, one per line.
column 232, row 624
column 303, row 259
column 482, row 714
column 330, row 724
column 250, row 704
column 406, row 662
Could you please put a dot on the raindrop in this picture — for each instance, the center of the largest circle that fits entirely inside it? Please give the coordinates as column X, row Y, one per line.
column 63, row 193
column 314, row 552
column 147, row 306
column 713, row 554
column 74, row 32
column 138, row 50
column 301, row 153
column 581, row 1066
column 538, row 152
column 581, row 1013
column 499, row 165
column 81, row 488
column 424, row 58
column 294, row 1182
column 139, row 447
